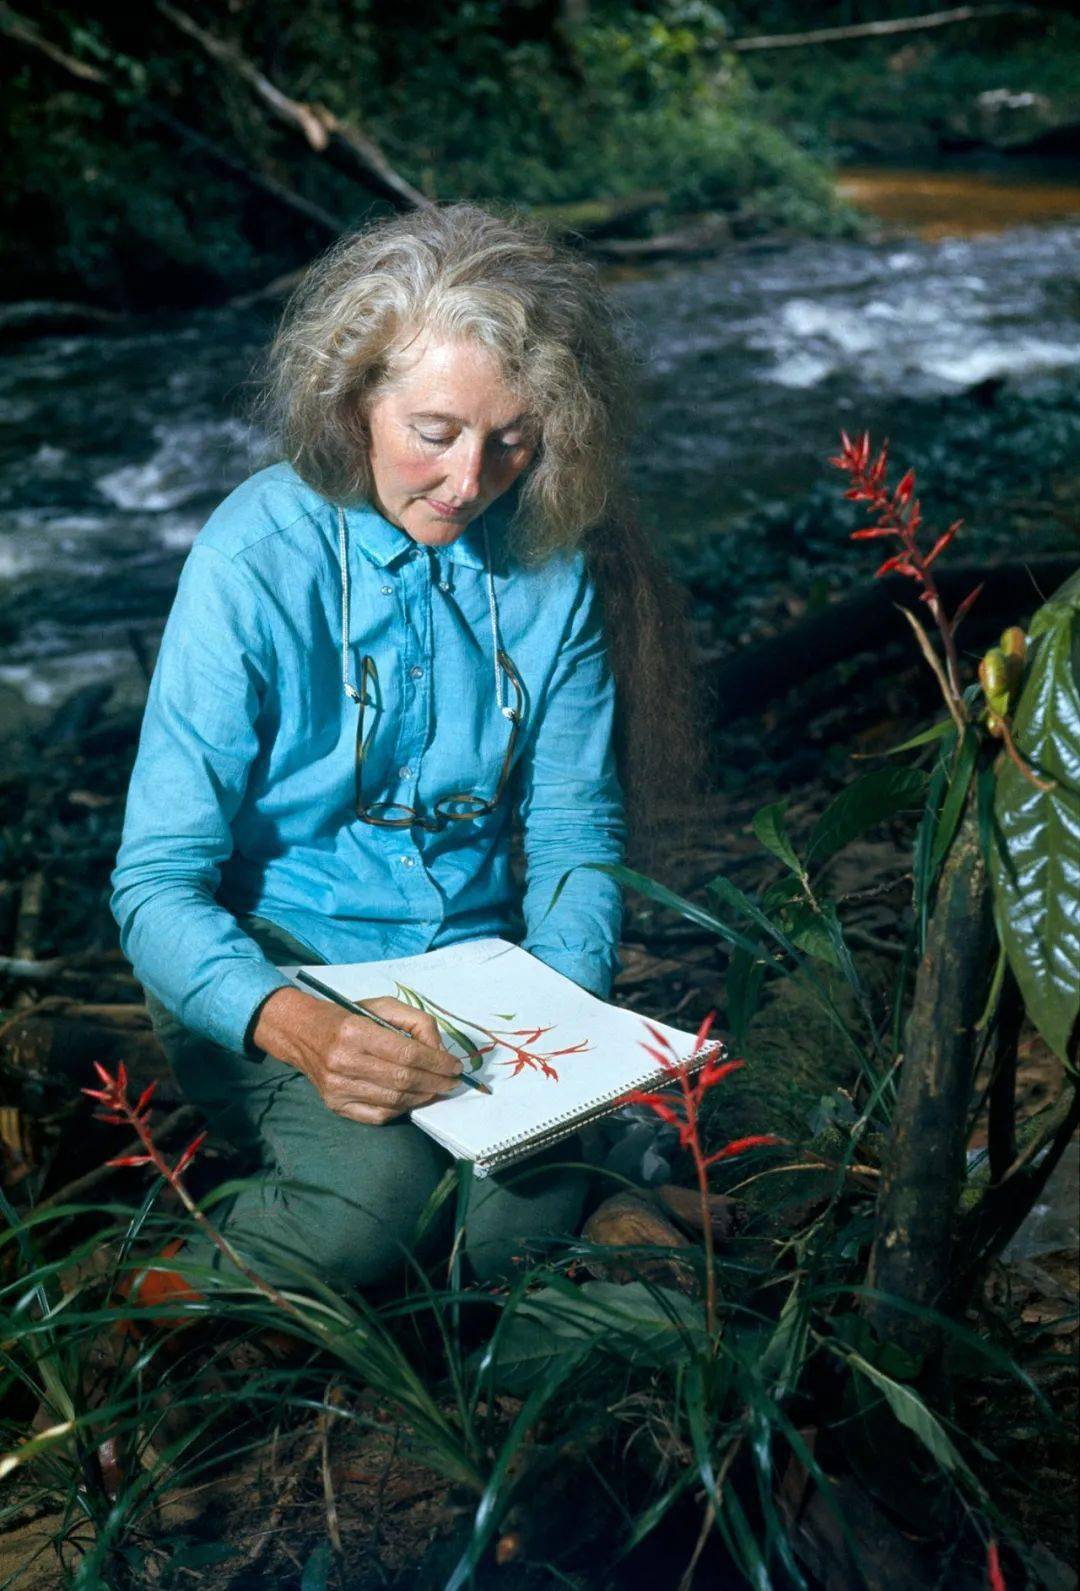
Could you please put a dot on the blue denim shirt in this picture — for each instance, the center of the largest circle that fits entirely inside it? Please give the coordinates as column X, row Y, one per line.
column 242, row 797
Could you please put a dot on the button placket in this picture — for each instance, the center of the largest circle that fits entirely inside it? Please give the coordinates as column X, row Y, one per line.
column 416, row 703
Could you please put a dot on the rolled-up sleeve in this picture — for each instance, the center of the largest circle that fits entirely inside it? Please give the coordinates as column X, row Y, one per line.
column 199, row 739
column 572, row 806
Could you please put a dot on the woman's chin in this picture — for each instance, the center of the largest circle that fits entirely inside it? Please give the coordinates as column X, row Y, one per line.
column 431, row 529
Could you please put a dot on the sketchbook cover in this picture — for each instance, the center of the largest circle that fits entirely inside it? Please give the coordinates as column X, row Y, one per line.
column 553, row 1055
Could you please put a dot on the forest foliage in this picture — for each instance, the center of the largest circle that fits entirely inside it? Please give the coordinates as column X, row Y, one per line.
column 532, row 103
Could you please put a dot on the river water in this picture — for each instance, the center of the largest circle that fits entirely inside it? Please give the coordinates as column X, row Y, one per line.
column 116, row 447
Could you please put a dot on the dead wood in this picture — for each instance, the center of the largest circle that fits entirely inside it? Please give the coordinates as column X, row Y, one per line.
column 94, row 80
column 868, row 621
column 47, row 1052
column 1001, row 1102
column 698, row 237
column 875, row 30
column 349, row 149
column 911, row 1258
column 171, row 1126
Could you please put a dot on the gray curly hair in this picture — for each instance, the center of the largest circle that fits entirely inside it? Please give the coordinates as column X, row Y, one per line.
column 467, row 275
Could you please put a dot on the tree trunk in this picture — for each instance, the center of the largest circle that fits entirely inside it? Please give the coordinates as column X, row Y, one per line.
column 912, row 1252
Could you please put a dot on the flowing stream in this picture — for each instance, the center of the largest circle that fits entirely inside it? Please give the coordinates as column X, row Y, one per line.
column 116, row 446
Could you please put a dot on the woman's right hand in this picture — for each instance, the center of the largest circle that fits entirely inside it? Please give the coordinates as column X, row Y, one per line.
column 360, row 1070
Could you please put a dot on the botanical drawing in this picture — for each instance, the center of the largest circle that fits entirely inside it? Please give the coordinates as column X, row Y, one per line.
column 518, row 1042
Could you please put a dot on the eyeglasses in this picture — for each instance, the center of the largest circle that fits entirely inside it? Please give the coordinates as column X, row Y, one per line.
column 447, row 809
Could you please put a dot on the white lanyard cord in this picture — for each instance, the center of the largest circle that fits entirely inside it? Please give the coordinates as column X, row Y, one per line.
column 343, row 557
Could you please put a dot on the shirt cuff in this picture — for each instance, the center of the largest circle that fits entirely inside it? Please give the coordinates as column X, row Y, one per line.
column 241, row 995
column 588, row 968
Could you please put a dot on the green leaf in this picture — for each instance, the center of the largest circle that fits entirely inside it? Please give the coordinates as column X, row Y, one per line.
column 771, row 830
column 913, row 1413
column 637, row 1322
column 870, row 799
column 742, row 991
column 953, row 806
column 809, row 930
column 1035, row 861
column 937, row 732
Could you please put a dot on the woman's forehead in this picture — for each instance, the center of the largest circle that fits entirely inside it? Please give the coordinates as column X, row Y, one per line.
column 454, row 379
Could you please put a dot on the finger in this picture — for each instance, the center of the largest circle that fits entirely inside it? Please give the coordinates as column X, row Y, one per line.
column 401, row 1079
column 372, row 1115
column 396, row 1050
column 370, row 1091
column 420, row 1024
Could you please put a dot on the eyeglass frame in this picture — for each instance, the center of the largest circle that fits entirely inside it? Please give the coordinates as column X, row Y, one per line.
column 481, row 805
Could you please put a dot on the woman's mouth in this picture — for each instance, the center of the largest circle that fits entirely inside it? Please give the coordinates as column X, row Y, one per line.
column 445, row 510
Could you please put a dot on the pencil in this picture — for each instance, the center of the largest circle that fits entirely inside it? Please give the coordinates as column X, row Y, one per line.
column 379, row 1021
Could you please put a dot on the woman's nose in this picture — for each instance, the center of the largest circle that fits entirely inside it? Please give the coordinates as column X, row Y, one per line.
column 466, row 470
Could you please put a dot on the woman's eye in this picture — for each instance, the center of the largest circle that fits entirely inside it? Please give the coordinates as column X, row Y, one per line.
column 435, row 441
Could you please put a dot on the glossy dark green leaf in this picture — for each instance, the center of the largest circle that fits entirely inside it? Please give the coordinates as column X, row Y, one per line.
column 870, row 799
column 1036, row 856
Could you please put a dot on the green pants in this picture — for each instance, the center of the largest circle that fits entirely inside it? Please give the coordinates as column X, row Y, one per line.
column 340, row 1198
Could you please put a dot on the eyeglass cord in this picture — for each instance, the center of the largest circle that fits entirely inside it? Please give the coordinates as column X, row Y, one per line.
column 343, row 555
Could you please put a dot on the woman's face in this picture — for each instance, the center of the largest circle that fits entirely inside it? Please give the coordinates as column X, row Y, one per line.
column 447, row 438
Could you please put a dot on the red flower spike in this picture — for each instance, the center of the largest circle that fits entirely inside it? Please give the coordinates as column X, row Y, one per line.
column 189, row 1154
column 130, row 1160
column 144, row 1097
column 966, row 606
column 714, row 1072
column 905, row 488
column 103, row 1074
column 994, row 1577
column 661, row 1038
column 703, row 1031
column 739, row 1146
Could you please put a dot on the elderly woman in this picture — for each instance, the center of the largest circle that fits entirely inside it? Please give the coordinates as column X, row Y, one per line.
column 379, row 652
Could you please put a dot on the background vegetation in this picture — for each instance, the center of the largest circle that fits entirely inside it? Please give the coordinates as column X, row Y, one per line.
column 530, row 102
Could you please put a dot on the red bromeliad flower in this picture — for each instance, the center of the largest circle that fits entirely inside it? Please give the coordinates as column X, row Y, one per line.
column 684, row 1113
column 994, row 1577
column 119, row 1112
column 897, row 514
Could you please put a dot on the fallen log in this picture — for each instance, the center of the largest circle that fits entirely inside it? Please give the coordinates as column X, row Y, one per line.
column 869, row 621
column 879, row 30
column 47, row 1052
column 349, row 149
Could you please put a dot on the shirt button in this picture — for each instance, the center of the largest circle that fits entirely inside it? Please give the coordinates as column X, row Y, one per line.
column 404, row 773
column 416, row 672
column 408, row 861
column 387, row 591
column 444, row 585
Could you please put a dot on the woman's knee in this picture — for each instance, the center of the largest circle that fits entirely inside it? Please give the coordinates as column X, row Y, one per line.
column 521, row 1215
column 356, row 1207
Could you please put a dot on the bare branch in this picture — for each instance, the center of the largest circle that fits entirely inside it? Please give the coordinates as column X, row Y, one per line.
column 876, row 30
column 350, row 150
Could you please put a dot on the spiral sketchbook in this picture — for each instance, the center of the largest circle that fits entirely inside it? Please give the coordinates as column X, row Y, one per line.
column 554, row 1056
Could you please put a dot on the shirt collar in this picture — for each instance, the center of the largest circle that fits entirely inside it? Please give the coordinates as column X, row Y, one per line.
column 384, row 544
